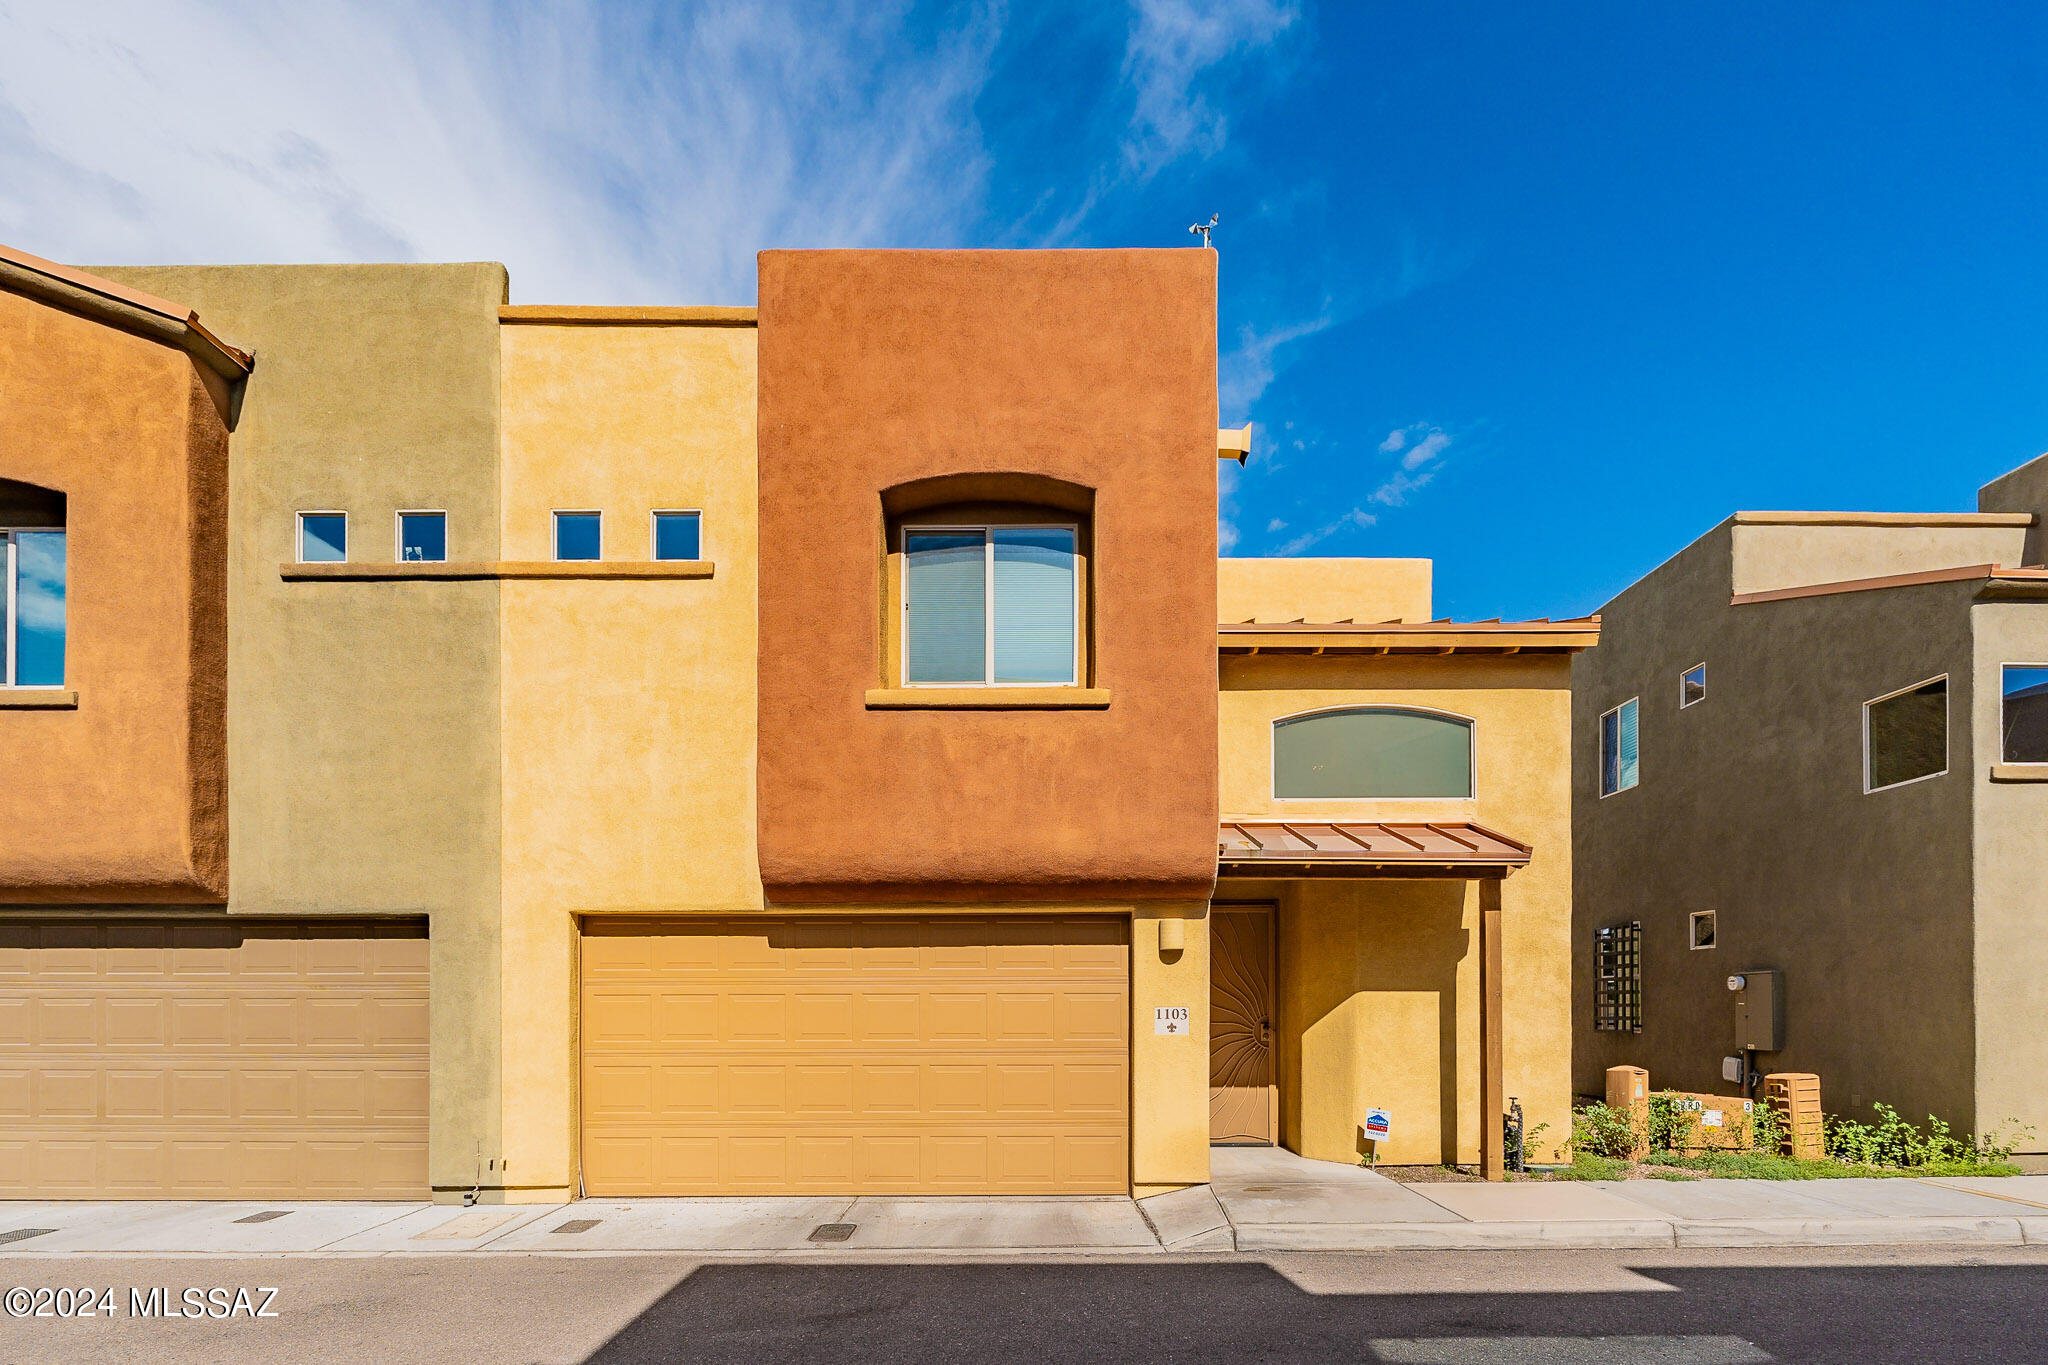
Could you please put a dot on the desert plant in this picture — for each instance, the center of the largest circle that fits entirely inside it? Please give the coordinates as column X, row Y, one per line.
column 1599, row 1130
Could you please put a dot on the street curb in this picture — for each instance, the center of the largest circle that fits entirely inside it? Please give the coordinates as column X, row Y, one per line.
column 1591, row 1234
column 1813, row 1232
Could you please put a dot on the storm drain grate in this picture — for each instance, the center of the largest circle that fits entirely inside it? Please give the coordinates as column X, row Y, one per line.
column 264, row 1217
column 576, row 1225
column 23, row 1234
column 832, row 1232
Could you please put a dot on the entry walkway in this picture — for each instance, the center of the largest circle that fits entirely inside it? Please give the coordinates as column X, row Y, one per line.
column 1262, row 1200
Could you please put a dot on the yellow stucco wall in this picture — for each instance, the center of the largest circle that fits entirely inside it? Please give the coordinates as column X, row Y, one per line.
column 1379, row 981
column 1365, row 590
column 628, row 751
column 1169, row 1072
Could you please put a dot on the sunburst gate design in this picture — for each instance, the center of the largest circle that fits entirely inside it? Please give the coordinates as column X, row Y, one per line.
column 1240, row 1028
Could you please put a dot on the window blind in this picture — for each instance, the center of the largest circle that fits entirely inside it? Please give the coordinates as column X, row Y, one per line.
column 1034, row 605
column 945, row 601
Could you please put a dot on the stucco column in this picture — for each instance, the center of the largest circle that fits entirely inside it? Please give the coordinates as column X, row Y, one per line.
column 1169, row 1071
column 1492, row 1086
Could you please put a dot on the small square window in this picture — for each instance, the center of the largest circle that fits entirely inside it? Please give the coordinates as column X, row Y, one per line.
column 677, row 535
column 422, row 537
column 2023, row 719
column 579, row 535
column 1905, row 735
column 323, row 537
column 1692, row 686
column 1702, row 929
column 1619, row 769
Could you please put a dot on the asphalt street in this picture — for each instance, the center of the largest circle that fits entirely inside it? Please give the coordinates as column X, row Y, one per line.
column 1533, row 1308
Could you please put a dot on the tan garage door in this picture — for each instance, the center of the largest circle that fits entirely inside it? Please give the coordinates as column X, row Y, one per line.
column 210, row 1060
column 945, row 1055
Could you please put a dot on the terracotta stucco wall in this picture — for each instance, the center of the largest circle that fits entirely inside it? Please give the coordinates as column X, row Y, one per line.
column 122, row 798
column 2010, row 820
column 1379, row 981
column 628, row 746
column 363, row 746
column 1093, row 367
column 1751, row 805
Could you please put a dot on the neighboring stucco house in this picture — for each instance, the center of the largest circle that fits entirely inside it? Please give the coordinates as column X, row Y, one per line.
column 1813, row 742
column 743, row 751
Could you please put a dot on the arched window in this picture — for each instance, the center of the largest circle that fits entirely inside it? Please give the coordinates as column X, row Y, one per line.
column 31, row 585
column 1366, row 752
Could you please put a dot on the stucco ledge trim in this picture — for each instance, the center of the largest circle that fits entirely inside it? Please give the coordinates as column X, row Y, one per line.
column 2019, row 772
column 38, row 699
column 988, row 699
column 456, row 570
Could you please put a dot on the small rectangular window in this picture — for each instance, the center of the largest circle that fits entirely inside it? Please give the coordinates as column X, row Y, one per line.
column 1618, row 756
column 1905, row 735
column 2024, row 713
column 677, row 535
column 1618, row 978
column 422, row 537
column 32, row 608
column 1702, row 929
column 579, row 535
column 1692, row 686
column 323, row 537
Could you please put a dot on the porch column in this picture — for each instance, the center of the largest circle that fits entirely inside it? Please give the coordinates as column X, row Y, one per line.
column 1492, row 1088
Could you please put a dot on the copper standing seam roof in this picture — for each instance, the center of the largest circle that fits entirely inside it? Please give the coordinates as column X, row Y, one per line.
column 1408, row 637
column 1371, row 848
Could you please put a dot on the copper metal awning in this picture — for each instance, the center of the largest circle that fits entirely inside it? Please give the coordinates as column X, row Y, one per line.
column 1313, row 848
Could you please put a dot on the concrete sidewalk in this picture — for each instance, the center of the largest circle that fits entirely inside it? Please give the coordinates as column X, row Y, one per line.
column 1262, row 1200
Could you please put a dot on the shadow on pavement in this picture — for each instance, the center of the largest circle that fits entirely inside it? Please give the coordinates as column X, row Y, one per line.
column 1215, row 1312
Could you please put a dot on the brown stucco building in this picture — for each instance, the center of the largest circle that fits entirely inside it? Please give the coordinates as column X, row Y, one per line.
column 1802, row 748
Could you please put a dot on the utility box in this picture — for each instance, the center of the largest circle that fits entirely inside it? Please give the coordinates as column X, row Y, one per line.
column 1795, row 1096
column 1759, row 1010
column 1628, row 1090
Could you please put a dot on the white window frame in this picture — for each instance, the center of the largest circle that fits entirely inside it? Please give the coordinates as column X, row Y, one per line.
column 987, row 531
column 654, row 521
column 299, row 535
column 398, row 533
column 1692, row 934
column 555, row 515
column 1699, row 668
column 2002, row 759
column 1470, row 723
column 1600, row 755
column 1946, row 756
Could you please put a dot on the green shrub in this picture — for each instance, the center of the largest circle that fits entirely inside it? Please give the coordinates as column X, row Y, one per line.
column 1896, row 1142
column 1603, row 1132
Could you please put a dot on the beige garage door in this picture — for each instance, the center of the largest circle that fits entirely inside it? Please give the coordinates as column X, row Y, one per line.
column 210, row 1060
column 946, row 1055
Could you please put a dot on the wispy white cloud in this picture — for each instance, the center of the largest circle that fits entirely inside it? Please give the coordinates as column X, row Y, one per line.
column 1247, row 369
column 1173, row 45
column 1275, row 526
column 1357, row 518
column 605, row 151
column 1419, row 446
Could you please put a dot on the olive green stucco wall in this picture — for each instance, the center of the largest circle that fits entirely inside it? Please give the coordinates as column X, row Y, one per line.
column 1751, row 804
column 363, row 752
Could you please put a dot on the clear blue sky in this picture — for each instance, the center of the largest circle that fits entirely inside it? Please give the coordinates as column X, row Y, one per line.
column 1538, row 291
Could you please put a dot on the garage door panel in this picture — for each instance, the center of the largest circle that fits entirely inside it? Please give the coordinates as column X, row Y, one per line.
column 949, row 1055
column 180, row 1059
